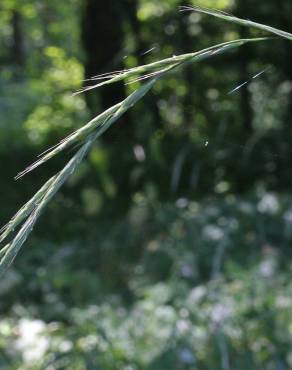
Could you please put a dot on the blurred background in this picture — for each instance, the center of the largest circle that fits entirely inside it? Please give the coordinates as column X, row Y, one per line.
column 170, row 247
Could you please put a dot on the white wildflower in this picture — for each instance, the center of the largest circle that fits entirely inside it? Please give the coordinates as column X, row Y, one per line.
column 269, row 204
column 32, row 341
column 220, row 312
column 288, row 216
column 183, row 326
column 267, row 268
column 212, row 232
column 197, row 294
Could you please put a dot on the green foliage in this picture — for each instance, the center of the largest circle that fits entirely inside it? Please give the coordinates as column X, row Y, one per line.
column 56, row 112
column 88, row 134
column 169, row 247
column 197, row 300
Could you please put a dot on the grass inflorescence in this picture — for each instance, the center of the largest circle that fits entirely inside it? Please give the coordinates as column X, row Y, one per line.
column 17, row 230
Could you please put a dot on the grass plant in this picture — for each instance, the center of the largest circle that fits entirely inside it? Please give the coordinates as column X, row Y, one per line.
column 15, row 233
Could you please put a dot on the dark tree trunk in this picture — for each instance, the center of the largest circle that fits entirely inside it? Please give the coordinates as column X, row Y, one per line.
column 186, row 45
column 17, row 42
column 103, row 42
column 286, row 21
column 245, row 105
column 131, row 10
column 242, row 10
column 102, row 39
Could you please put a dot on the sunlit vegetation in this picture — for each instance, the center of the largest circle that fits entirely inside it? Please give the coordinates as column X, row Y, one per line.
column 166, row 238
